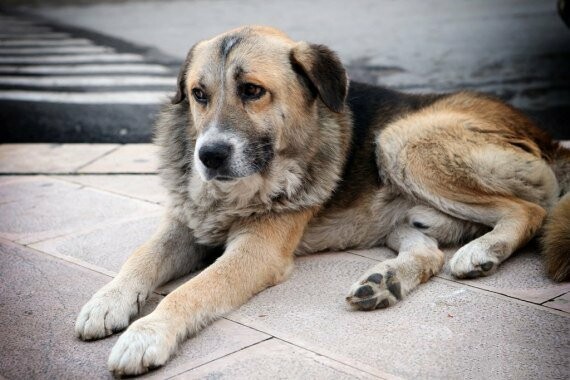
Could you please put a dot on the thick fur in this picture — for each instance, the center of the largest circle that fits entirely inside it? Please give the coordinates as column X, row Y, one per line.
column 556, row 241
column 310, row 163
column 556, row 238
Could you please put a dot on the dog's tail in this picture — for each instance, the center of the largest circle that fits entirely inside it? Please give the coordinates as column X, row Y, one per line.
column 556, row 237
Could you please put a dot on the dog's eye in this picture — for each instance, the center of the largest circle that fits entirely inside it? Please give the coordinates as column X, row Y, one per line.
column 250, row 91
column 199, row 96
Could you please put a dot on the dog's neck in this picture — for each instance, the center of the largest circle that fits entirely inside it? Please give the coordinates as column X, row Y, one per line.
column 283, row 179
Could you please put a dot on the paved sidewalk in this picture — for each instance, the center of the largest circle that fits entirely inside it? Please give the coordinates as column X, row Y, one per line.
column 71, row 214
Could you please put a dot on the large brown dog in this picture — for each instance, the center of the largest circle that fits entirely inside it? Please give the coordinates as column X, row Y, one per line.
column 268, row 153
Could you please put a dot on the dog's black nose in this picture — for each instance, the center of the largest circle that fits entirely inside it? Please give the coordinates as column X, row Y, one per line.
column 215, row 155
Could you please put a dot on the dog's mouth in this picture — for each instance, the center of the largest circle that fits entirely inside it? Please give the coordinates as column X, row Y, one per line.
column 219, row 175
column 224, row 178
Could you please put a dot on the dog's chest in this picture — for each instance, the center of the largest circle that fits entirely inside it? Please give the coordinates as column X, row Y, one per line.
column 212, row 212
column 212, row 221
column 363, row 224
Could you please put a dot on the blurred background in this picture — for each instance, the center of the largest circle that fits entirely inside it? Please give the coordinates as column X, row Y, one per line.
column 97, row 71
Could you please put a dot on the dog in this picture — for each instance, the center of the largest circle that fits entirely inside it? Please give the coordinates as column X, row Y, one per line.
column 268, row 152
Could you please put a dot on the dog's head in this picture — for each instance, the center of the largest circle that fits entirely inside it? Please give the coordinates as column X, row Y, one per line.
column 254, row 94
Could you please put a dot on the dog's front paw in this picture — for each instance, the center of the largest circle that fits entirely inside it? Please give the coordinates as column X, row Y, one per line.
column 377, row 289
column 107, row 312
column 147, row 344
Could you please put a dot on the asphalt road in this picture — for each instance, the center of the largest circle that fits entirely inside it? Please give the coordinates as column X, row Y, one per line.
column 65, row 84
column 104, row 77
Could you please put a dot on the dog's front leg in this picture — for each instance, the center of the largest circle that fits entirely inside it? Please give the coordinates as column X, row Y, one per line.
column 258, row 254
column 170, row 253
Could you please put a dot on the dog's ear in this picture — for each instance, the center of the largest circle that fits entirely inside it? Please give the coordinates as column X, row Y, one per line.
column 322, row 67
column 181, row 81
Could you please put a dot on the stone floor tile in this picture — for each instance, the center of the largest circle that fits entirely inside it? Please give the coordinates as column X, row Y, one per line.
column 5, row 179
column 7, row 195
column 560, row 303
column 49, row 158
column 145, row 187
column 130, row 158
column 44, row 208
column 521, row 276
column 441, row 330
column 107, row 247
column 378, row 254
column 274, row 359
column 215, row 341
column 40, row 298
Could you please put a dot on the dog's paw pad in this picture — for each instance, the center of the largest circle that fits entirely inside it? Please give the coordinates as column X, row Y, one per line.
column 375, row 291
column 364, row 291
column 487, row 266
column 375, row 278
column 481, row 270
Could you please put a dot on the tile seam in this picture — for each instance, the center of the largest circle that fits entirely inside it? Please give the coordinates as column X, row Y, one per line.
column 306, row 348
column 77, row 169
column 221, row 357
column 110, row 191
column 64, row 258
column 502, row 296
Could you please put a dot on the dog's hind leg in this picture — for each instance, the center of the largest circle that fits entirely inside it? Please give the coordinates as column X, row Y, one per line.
column 479, row 177
column 419, row 258
column 170, row 253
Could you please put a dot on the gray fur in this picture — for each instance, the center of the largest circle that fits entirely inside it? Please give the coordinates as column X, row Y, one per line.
column 211, row 208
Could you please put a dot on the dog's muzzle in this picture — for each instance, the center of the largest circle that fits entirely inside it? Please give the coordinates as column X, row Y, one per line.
column 226, row 159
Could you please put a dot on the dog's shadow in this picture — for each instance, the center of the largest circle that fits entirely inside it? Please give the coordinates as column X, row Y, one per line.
column 212, row 255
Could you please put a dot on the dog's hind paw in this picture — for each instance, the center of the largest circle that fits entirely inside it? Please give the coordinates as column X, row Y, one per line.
column 146, row 345
column 376, row 290
column 477, row 259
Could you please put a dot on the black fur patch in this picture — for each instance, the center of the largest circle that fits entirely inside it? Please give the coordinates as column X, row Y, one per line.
column 325, row 72
column 263, row 152
column 419, row 225
column 238, row 72
column 373, row 107
column 227, row 44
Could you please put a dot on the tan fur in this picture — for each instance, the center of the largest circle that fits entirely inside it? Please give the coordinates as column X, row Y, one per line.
column 262, row 248
column 414, row 173
column 556, row 241
column 473, row 171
